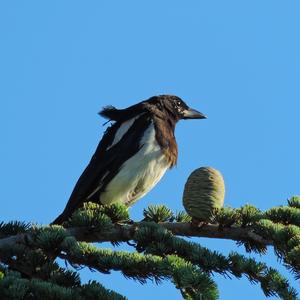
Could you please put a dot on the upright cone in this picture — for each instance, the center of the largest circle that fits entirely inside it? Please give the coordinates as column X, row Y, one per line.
column 203, row 192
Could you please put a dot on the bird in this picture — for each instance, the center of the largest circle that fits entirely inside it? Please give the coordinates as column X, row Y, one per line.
column 133, row 154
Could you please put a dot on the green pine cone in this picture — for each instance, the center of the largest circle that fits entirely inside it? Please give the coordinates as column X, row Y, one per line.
column 203, row 192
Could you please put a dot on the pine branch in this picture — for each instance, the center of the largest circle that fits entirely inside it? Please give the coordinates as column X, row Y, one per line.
column 94, row 223
column 54, row 241
column 125, row 232
column 156, row 240
column 13, row 286
column 142, row 267
column 32, row 250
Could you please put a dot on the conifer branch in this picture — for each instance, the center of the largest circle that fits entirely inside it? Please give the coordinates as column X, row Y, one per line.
column 125, row 232
column 186, row 277
column 13, row 286
column 161, row 254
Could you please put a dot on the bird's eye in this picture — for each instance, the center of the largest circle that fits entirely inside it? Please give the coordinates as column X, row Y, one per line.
column 178, row 106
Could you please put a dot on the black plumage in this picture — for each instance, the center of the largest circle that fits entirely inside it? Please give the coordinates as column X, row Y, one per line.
column 133, row 154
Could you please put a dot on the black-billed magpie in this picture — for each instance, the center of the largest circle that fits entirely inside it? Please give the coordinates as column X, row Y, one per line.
column 133, row 155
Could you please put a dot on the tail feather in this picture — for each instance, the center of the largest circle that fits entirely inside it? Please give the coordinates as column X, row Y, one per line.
column 63, row 217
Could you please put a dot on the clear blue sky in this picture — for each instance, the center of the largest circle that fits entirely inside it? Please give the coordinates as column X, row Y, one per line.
column 236, row 61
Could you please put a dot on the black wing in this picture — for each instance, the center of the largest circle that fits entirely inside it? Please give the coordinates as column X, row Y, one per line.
column 104, row 165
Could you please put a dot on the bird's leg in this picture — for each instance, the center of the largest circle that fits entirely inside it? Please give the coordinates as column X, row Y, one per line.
column 127, row 235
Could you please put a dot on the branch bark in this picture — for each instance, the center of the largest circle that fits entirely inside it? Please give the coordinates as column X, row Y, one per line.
column 125, row 232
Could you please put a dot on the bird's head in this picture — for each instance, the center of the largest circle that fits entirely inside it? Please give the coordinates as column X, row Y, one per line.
column 175, row 107
column 163, row 106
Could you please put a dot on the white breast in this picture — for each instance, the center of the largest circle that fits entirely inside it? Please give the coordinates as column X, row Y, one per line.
column 139, row 174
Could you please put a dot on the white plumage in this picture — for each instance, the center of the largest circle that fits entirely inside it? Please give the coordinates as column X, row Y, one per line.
column 139, row 174
column 122, row 130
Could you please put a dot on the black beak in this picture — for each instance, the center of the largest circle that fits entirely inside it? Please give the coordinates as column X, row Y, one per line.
column 193, row 114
